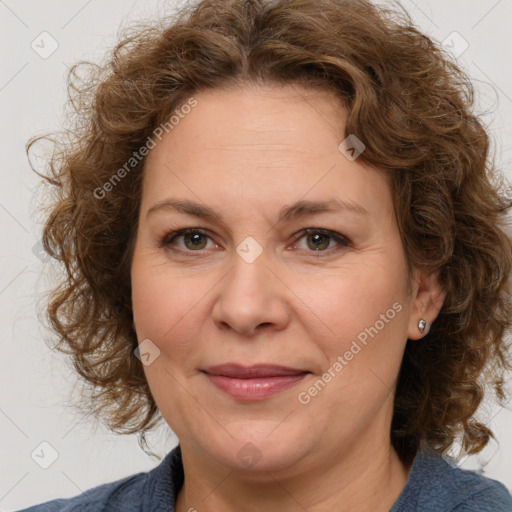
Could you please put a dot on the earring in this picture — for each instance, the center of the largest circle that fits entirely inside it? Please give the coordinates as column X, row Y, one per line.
column 422, row 324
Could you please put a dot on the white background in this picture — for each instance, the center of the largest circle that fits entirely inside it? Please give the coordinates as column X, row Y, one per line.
column 35, row 382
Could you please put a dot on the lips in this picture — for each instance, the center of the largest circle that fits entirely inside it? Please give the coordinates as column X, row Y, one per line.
column 253, row 383
column 237, row 371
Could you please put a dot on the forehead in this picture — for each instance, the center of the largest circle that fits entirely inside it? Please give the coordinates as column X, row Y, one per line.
column 280, row 142
column 288, row 116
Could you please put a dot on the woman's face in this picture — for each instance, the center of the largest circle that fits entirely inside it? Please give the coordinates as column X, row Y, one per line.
column 252, row 288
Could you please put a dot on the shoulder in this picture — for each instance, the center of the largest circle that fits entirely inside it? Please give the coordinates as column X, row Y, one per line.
column 121, row 495
column 154, row 490
column 479, row 493
column 434, row 485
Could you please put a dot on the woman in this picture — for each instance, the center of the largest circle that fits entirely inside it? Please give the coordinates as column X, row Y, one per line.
column 283, row 234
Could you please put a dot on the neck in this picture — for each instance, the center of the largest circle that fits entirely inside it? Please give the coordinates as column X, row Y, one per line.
column 368, row 477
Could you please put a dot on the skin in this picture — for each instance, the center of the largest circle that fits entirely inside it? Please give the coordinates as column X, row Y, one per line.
column 246, row 152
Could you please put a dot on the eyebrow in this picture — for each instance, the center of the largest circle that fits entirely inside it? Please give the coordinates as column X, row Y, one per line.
column 298, row 209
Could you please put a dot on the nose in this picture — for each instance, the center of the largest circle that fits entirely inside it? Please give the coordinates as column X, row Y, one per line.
column 252, row 298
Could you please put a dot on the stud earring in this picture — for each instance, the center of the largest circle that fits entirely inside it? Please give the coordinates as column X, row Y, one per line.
column 422, row 324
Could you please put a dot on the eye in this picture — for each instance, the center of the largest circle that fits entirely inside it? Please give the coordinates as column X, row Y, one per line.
column 193, row 239
column 320, row 240
column 196, row 239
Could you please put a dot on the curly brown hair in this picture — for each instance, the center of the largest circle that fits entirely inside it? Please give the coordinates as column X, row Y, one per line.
column 409, row 103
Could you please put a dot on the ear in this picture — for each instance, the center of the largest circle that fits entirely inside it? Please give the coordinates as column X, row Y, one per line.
column 427, row 300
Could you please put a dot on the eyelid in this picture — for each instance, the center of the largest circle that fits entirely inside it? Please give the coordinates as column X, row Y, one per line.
column 340, row 239
column 168, row 238
column 171, row 235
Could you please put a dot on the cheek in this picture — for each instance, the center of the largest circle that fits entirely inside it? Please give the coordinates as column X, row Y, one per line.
column 350, row 302
column 362, row 344
column 164, row 306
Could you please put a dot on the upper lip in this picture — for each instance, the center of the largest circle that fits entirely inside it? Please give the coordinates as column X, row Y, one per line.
column 239, row 371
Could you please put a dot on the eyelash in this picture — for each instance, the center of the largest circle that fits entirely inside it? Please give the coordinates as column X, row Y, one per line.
column 337, row 237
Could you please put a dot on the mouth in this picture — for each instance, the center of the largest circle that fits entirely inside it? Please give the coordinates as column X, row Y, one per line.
column 238, row 371
column 253, row 383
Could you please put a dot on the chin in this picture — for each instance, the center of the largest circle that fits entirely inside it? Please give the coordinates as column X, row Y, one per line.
column 261, row 450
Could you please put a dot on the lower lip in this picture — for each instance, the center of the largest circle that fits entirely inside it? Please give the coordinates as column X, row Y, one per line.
column 254, row 389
